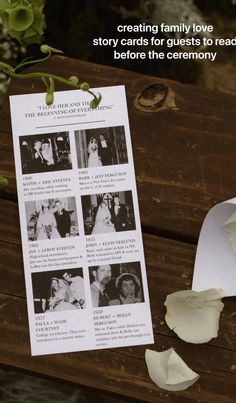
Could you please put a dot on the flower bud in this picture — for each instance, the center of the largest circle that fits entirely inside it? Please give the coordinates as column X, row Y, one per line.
column 49, row 98
column 95, row 101
column 84, row 86
column 49, row 49
column 74, row 80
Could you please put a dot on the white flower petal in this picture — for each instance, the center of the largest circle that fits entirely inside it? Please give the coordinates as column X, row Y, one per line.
column 212, row 294
column 194, row 316
column 168, row 371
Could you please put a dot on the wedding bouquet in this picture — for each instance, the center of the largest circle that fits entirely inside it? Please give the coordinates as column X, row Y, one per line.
column 48, row 230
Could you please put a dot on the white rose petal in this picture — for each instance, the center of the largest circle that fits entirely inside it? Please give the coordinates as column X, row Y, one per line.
column 168, row 371
column 194, row 316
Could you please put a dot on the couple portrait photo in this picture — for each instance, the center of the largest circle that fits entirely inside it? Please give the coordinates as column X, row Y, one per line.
column 45, row 152
column 108, row 212
column 58, row 290
column 101, row 147
column 51, row 219
column 116, row 284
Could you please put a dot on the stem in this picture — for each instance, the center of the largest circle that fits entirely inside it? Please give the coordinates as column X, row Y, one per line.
column 6, row 68
column 42, row 75
column 23, row 64
column 51, row 85
column 47, row 78
column 46, row 83
column 90, row 92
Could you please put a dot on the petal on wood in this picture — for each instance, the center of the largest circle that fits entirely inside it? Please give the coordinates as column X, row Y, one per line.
column 194, row 316
column 168, row 371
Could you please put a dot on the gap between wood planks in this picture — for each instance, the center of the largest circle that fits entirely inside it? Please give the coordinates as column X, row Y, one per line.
column 156, row 333
column 146, row 229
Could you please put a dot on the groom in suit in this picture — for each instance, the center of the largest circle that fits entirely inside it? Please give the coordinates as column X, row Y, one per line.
column 119, row 215
column 102, row 276
column 105, row 150
column 63, row 220
column 76, row 288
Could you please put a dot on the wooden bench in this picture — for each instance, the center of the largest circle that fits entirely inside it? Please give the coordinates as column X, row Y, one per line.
column 184, row 161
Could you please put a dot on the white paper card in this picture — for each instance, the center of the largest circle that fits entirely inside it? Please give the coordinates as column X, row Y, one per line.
column 82, row 245
column 215, row 264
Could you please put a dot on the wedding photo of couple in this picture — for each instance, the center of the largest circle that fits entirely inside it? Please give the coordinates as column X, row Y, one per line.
column 45, row 152
column 116, row 284
column 51, row 219
column 108, row 212
column 101, row 147
column 60, row 290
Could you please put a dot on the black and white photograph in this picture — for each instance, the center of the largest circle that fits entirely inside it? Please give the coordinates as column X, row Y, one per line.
column 101, row 147
column 116, row 284
column 108, row 212
column 58, row 290
column 45, row 152
column 51, row 219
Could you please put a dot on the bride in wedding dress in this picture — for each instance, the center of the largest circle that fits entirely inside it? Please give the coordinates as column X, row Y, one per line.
column 103, row 222
column 46, row 224
column 93, row 159
column 60, row 297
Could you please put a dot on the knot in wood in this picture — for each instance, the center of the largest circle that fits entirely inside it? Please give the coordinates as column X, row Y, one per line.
column 155, row 97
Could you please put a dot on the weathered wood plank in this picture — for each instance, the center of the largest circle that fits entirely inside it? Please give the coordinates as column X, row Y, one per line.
column 9, row 225
column 183, row 158
column 7, row 169
column 183, row 162
column 121, row 371
column 169, row 268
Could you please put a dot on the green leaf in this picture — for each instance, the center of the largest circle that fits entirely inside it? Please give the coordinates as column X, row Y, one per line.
column 4, row 4
column 39, row 20
column 32, row 39
column 37, row 2
column 16, row 35
column 28, row 33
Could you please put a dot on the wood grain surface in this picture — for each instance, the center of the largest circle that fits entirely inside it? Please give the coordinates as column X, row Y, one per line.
column 184, row 165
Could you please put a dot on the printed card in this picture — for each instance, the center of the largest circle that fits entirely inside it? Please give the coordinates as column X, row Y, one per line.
column 81, row 235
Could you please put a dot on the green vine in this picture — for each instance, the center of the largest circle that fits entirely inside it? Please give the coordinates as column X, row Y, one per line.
column 48, row 79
